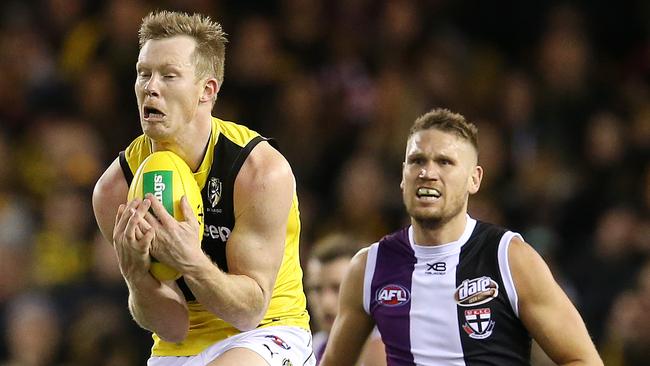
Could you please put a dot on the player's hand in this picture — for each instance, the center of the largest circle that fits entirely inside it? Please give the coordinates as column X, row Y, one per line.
column 132, row 238
column 176, row 243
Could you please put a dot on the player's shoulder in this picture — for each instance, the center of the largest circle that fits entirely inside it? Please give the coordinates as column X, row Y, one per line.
column 237, row 133
column 137, row 151
column 362, row 254
column 263, row 158
column 111, row 183
column 522, row 253
column 265, row 166
column 529, row 270
column 359, row 260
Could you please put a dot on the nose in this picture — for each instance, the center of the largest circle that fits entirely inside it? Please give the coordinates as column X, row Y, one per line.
column 427, row 172
column 151, row 87
column 330, row 299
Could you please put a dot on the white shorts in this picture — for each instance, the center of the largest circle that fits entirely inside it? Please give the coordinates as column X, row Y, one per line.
column 279, row 346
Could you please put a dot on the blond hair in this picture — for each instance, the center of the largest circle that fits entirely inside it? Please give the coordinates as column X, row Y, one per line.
column 447, row 121
column 210, row 52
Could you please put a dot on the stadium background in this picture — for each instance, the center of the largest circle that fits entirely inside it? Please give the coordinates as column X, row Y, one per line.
column 560, row 91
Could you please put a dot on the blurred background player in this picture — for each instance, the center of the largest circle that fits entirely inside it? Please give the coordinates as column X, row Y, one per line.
column 327, row 265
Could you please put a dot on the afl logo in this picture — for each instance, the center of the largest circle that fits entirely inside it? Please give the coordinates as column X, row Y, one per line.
column 214, row 191
column 393, row 295
column 476, row 291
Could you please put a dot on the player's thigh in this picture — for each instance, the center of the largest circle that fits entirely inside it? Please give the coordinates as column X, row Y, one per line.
column 239, row 356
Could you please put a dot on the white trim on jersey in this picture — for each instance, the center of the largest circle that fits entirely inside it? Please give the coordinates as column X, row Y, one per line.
column 371, row 262
column 504, row 268
column 464, row 237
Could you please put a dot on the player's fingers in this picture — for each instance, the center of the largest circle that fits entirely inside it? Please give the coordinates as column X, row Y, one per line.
column 188, row 213
column 120, row 210
column 119, row 224
column 138, row 233
column 148, row 236
column 136, row 211
column 143, row 207
column 142, row 211
column 120, row 219
column 151, row 220
column 159, row 210
column 132, row 223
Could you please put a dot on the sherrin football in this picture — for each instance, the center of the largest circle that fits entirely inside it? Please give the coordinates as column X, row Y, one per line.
column 166, row 176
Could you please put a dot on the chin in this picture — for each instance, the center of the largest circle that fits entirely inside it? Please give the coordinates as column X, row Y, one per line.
column 425, row 213
column 429, row 222
column 427, row 218
column 157, row 133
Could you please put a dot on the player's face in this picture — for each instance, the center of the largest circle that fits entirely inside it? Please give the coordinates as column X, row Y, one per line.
column 439, row 173
column 166, row 86
column 323, row 290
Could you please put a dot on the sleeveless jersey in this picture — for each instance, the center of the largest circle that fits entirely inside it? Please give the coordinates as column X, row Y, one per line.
column 453, row 304
column 228, row 147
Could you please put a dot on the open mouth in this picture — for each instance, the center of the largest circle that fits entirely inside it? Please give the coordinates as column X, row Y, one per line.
column 428, row 192
column 153, row 113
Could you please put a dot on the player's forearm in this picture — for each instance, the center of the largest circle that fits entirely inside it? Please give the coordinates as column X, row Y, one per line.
column 341, row 354
column 237, row 299
column 346, row 340
column 590, row 358
column 594, row 362
column 153, row 307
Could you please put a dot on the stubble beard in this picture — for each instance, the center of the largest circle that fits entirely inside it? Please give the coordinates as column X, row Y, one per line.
column 436, row 220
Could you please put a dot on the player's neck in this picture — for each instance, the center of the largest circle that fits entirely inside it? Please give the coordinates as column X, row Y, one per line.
column 190, row 144
column 447, row 232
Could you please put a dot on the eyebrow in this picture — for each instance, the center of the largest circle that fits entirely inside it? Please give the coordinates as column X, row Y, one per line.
column 436, row 156
column 140, row 64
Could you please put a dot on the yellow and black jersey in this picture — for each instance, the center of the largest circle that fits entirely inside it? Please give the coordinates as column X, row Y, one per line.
column 229, row 146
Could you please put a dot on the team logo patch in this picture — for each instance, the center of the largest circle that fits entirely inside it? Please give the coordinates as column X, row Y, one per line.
column 277, row 340
column 478, row 323
column 393, row 295
column 476, row 291
column 214, row 191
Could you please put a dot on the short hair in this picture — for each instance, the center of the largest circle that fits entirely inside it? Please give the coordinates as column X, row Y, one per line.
column 443, row 119
column 333, row 247
column 210, row 53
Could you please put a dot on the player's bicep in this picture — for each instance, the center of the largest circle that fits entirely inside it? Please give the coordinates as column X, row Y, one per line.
column 263, row 197
column 545, row 309
column 110, row 191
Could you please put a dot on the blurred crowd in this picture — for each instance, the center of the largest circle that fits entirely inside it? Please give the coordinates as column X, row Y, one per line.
column 560, row 91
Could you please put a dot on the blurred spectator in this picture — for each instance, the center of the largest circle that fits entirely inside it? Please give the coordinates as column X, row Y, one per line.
column 609, row 268
column 33, row 332
column 362, row 190
column 628, row 328
column 101, row 326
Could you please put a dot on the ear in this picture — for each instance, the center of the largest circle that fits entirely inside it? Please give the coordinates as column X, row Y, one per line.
column 210, row 90
column 401, row 183
column 475, row 179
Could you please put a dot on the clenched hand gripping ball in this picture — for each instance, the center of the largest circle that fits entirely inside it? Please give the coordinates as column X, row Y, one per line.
column 166, row 176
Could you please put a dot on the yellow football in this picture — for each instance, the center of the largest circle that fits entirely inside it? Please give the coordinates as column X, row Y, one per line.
column 166, row 176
